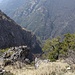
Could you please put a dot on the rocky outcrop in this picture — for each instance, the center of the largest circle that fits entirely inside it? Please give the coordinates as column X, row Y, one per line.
column 15, row 54
column 11, row 35
column 2, row 71
column 70, row 57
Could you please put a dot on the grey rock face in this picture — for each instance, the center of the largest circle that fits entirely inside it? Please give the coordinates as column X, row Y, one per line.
column 12, row 35
column 14, row 54
column 71, row 57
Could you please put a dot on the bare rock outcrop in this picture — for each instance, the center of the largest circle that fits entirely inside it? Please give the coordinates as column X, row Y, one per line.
column 70, row 57
column 15, row 54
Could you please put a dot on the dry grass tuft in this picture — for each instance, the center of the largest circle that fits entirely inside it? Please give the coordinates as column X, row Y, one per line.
column 51, row 68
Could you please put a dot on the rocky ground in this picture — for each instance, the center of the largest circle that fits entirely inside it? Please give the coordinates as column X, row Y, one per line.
column 14, row 56
column 16, row 61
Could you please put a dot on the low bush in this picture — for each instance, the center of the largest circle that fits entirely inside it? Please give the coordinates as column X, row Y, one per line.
column 57, row 48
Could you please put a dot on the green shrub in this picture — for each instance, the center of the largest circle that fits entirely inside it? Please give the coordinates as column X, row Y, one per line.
column 3, row 51
column 59, row 49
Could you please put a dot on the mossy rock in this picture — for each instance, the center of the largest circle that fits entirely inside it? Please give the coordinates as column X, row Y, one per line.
column 2, row 51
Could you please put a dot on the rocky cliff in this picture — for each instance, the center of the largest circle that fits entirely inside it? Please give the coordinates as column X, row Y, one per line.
column 11, row 34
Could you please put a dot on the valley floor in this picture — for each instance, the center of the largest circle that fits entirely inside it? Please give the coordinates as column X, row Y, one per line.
column 50, row 68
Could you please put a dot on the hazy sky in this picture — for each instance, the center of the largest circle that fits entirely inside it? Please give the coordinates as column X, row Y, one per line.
column 0, row 0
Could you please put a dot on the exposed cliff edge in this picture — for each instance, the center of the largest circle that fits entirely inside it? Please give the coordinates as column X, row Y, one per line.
column 11, row 35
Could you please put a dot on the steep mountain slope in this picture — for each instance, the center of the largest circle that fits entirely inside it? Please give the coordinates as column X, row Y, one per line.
column 46, row 18
column 12, row 35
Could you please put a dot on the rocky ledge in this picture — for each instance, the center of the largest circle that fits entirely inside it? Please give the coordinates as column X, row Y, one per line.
column 15, row 54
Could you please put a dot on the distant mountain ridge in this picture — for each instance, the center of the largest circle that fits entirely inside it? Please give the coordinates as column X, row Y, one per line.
column 46, row 18
column 11, row 35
